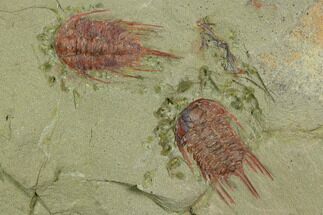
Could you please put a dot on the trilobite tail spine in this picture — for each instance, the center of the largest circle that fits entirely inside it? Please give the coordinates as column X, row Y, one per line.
column 160, row 53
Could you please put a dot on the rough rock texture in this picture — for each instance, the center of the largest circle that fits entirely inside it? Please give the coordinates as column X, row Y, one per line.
column 57, row 157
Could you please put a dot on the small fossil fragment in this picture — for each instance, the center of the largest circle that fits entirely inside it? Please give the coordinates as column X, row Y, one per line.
column 238, row 69
column 208, row 36
column 204, row 134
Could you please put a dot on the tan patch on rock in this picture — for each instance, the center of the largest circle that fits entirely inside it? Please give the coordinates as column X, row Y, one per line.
column 269, row 60
column 294, row 56
column 310, row 27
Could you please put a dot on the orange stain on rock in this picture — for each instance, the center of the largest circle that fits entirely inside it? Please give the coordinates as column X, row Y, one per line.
column 258, row 4
column 269, row 60
column 310, row 27
column 293, row 57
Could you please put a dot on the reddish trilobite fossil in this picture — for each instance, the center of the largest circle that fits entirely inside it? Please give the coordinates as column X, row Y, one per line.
column 204, row 134
column 103, row 45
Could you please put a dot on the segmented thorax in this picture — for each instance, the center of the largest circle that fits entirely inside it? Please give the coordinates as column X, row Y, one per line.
column 85, row 44
column 209, row 137
column 205, row 135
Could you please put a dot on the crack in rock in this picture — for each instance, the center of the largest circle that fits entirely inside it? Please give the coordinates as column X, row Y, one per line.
column 168, row 204
column 30, row 192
